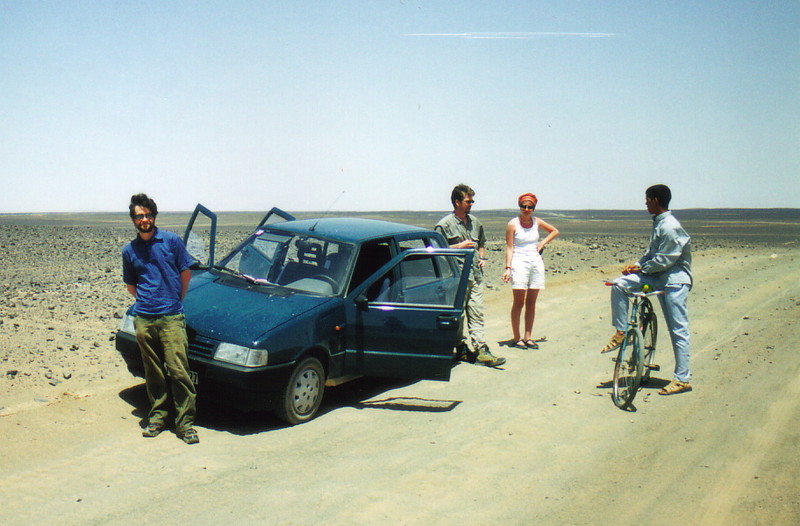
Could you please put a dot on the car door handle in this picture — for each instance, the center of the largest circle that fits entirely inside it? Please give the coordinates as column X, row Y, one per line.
column 446, row 321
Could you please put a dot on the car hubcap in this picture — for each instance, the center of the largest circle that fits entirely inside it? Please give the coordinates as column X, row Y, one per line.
column 306, row 391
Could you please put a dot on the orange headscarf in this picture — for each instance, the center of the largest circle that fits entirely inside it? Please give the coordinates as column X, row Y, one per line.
column 528, row 197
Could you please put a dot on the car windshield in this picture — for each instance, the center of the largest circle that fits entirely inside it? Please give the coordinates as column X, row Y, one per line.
column 301, row 262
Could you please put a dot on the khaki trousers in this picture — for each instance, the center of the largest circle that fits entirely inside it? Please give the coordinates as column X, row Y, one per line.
column 472, row 330
column 164, row 347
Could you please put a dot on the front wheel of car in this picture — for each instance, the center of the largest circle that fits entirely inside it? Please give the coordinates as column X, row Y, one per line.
column 303, row 393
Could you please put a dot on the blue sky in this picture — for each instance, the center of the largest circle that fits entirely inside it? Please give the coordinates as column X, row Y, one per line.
column 386, row 105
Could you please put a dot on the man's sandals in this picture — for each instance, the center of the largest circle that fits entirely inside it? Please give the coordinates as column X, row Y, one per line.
column 189, row 436
column 675, row 387
column 614, row 343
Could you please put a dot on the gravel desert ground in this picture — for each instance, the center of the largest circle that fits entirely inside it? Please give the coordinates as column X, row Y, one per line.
column 536, row 442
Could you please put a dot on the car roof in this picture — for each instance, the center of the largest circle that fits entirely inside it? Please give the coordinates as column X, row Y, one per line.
column 347, row 229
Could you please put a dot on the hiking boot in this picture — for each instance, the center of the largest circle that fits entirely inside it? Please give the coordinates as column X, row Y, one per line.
column 485, row 357
column 464, row 353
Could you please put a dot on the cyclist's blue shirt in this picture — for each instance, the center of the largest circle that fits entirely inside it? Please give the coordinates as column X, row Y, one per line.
column 669, row 257
column 155, row 267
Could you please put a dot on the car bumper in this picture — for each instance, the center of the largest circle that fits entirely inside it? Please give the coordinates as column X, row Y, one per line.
column 242, row 387
column 245, row 388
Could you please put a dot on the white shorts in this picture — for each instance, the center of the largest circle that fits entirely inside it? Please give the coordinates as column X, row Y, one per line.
column 527, row 273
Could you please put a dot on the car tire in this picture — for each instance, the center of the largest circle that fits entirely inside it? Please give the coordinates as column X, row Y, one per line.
column 302, row 395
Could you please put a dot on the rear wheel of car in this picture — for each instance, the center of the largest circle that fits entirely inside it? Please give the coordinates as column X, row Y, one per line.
column 303, row 393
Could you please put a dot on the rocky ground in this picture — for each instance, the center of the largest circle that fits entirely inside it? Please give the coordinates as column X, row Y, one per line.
column 60, row 303
column 62, row 297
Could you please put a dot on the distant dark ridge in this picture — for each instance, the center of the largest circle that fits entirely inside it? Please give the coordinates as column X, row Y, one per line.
column 776, row 226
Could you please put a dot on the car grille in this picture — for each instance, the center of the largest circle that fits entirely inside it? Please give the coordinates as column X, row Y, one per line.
column 202, row 346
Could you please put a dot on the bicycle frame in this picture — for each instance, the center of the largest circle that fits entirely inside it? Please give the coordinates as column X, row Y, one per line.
column 629, row 367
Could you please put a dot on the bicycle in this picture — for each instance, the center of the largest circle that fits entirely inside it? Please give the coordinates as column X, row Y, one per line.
column 634, row 360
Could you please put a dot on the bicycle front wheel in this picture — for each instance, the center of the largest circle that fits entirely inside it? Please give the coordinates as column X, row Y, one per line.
column 648, row 324
column 628, row 369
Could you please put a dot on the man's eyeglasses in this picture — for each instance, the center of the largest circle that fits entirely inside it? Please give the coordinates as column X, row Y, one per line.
column 139, row 217
column 527, row 207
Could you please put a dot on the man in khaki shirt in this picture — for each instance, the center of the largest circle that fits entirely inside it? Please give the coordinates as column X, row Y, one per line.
column 463, row 230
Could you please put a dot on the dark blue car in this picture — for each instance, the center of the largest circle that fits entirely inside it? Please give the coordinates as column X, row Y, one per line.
column 302, row 304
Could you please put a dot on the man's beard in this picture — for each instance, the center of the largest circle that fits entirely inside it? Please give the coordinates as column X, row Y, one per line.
column 146, row 230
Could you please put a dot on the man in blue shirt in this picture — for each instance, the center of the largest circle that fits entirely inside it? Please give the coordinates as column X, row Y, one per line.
column 667, row 267
column 155, row 269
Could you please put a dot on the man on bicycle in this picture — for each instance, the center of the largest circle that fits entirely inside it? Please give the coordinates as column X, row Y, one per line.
column 667, row 267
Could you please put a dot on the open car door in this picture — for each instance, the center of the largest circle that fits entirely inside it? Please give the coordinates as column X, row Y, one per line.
column 404, row 320
column 276, row 212
column 201, row 235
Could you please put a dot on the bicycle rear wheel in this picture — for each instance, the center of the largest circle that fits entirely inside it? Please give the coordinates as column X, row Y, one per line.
column 648, row 324
column 628, row 369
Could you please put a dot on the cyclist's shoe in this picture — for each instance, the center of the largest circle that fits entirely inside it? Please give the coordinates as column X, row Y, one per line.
column 675, row 387
column 614, row 343
column 485, row 357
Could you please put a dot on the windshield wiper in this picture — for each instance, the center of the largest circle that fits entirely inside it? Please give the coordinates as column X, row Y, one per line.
column 248, row 278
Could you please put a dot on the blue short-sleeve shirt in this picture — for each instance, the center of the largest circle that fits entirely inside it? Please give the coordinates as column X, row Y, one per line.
column 155, row 267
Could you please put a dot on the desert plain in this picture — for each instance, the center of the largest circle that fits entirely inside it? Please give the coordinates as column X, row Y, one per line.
column 537, row 441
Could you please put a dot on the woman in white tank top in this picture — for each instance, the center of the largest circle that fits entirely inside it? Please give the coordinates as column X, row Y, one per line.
column 525, row 267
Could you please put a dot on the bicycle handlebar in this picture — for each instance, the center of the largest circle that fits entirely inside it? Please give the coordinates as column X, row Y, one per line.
column 637, row 294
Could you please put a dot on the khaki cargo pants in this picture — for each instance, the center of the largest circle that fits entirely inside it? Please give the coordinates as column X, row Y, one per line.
column 164, row 347
column 472, row 326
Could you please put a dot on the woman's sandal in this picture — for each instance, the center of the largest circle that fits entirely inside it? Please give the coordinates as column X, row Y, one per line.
column 530, row 344
column 520, row 344
column 675, row 387
column 614, row 343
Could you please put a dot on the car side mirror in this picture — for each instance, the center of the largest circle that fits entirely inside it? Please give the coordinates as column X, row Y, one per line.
column 361, row 301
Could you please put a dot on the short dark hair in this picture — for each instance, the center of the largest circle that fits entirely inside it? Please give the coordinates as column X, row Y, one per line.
column 661, row 193
column 143, row 201
column 460, row 192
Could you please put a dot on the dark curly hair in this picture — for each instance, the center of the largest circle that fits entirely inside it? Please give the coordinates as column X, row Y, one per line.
column 143, row 201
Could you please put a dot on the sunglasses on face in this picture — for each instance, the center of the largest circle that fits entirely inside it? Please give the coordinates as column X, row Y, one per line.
column 527, row 207
column 139, row 217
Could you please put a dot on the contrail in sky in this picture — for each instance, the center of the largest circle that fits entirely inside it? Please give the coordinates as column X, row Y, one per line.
column 511, row 35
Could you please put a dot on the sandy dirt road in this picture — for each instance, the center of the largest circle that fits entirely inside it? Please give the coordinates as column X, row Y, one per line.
column 538, row 442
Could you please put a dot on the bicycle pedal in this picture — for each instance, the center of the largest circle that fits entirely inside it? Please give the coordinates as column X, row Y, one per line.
column 653, row 367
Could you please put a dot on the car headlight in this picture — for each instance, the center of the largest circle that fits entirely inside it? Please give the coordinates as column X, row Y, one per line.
column 239, row 355
column 127, row 325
